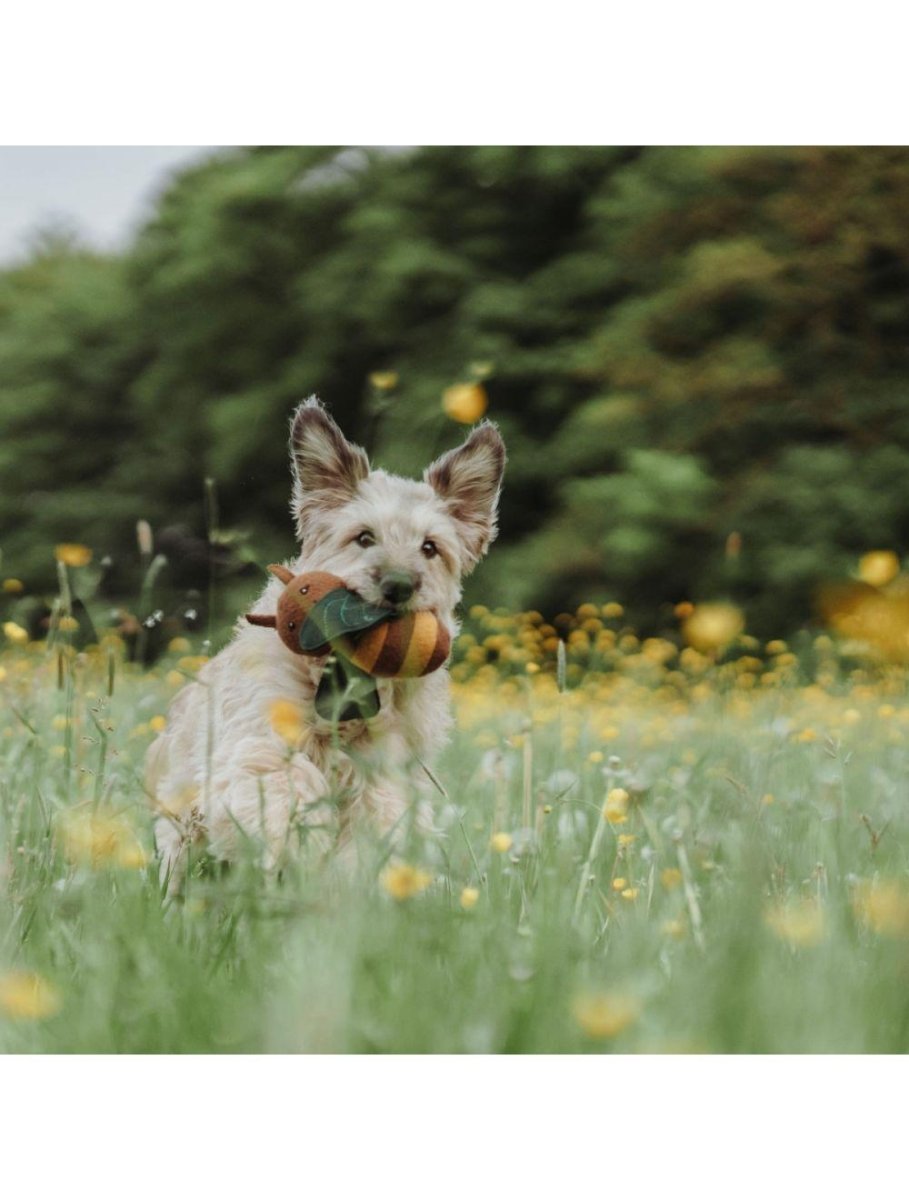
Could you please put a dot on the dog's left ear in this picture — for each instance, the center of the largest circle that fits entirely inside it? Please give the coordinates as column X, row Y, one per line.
column 469, row 480
column 326, row 466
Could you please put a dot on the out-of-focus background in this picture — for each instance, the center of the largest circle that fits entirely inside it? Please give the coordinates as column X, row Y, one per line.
column 699, row 358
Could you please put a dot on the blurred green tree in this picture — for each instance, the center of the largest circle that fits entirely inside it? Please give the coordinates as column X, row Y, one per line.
column 679, row 344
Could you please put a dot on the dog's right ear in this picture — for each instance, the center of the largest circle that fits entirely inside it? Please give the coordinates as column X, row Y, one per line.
column 326, row 466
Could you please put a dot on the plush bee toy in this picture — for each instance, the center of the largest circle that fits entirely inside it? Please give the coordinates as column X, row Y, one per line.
column 318, row 614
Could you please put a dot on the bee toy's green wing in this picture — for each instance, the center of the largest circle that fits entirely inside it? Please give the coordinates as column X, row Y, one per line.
column 338, row 615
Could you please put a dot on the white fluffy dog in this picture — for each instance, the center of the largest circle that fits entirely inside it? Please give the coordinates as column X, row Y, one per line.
column 222, row 773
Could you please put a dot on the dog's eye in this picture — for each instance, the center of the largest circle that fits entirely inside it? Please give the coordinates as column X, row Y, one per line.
column 429, row 548
column 365, row 539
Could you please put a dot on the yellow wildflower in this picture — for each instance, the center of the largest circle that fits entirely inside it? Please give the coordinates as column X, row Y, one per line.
column 615, row 810
column 674, row 928
column 883, row 906
column 71, row 554
column 712, row 626
column 158, row 724
column 605, row 1014
column 469, row 897
column 101, row 839
column 67, row 624
column 402, row 881
column 27, row 996
column 465, row 402
column 287, row 720
column 627, row 839
column 878, row 567
column 384, row 381
column 501, row 842
column 630, row 893
column 612, row 611
column 619, row 883
column 670, row 877
column 179, row 645
column 532, row 668
column 15, row 633
column 13, row 587
column 595, row 756
column 798, row 922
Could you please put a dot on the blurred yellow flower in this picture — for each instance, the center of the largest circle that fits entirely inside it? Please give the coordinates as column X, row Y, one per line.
column 384, row 381
column 619, row 883
column 13, row 587
column 179, row 645
column 883, row 906
column 465, row 402
column 612, row 611
column 595, row 756
column 605, row 1014
column 27, row 996
column 878, row 567
column 72, row 554
column 15, row 633
column 469, row 897
column 797, row 922
column 101, row 839
column 402, row 881
column 158, row 724
column 674, row 927
column 286, row 719
column 670, row 877
column 501, row 842
column 67, row 624
column 627, row 839
column 615, row 810
column 711, row 627
column 630, row 893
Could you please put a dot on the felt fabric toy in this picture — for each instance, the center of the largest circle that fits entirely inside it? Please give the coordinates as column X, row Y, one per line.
column 317, row 613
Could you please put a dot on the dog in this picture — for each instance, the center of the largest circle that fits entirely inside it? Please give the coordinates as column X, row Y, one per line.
column 221, row 774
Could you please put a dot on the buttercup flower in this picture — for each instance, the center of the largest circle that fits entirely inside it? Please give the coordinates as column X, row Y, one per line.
column 615, row 810
column 605, row 1014
column 465, row 402
column 101, row 839
column 469, row 897
column 15, row 633
column 27, row 996
column 883, row 906
column 402, row 881
column 711, row 627
column 287, row 720
column 384, row 381
column 72, row 554
column 878, row 567
column 798, row 922
column 501, row 842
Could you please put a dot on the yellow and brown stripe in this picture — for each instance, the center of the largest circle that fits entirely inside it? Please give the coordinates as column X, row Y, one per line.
column 413, row 645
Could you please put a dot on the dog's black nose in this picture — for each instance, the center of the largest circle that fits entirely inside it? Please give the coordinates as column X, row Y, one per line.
column 398, row 586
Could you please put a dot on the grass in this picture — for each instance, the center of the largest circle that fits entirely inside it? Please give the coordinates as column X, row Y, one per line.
column 747, row 890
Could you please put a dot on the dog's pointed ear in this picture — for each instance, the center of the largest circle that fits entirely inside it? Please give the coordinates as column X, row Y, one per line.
column 326, row 466
column 469, row 480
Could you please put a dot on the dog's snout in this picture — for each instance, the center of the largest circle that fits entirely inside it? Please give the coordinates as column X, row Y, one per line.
column 398, row 586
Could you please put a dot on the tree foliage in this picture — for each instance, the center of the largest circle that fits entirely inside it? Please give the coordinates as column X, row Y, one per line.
column 679, row 345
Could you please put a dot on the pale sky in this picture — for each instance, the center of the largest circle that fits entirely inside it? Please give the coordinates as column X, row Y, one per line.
column 102, row 192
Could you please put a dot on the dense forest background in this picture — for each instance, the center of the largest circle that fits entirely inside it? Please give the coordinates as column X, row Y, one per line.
column 699, row 359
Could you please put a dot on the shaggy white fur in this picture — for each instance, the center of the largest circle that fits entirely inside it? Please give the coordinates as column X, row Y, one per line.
column 221, row 772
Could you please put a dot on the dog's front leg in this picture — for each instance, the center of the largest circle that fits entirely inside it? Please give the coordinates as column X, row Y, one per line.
column 269, row 801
